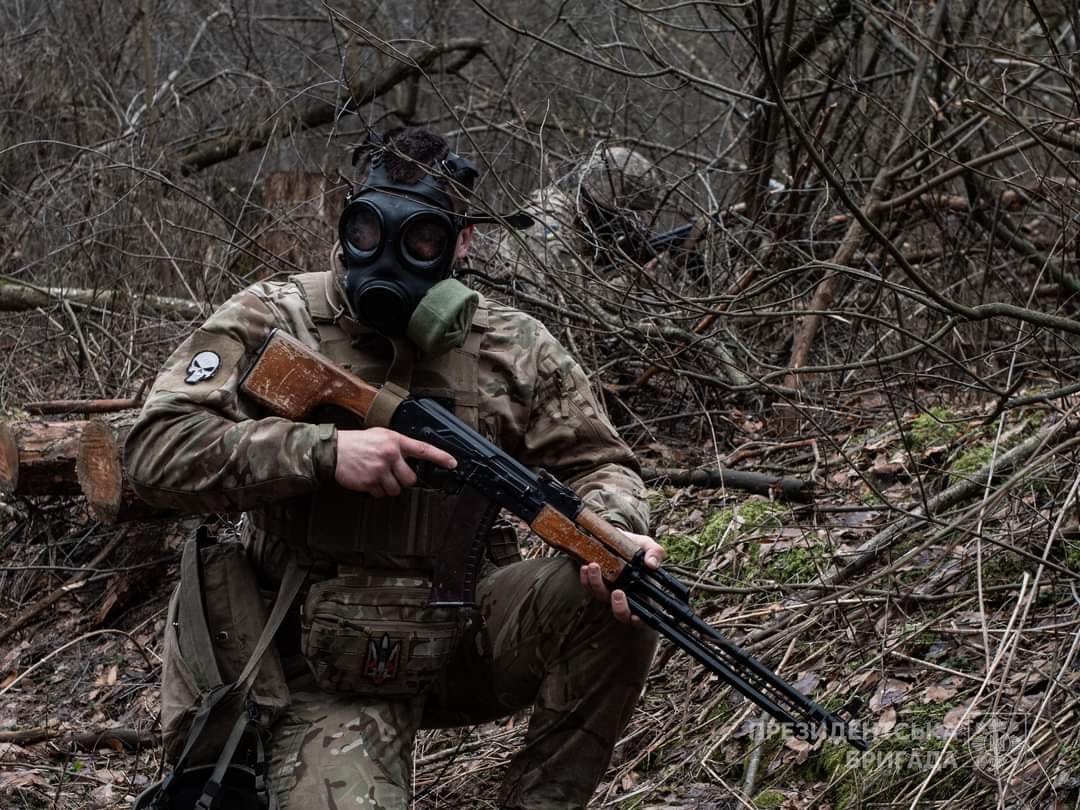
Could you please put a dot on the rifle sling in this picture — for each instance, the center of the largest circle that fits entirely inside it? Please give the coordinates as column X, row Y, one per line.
column 395, row 389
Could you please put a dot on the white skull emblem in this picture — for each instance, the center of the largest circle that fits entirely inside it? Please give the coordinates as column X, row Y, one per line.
column 203, row 366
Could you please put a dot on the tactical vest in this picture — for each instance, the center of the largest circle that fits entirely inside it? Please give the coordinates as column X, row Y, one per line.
column 406, row 532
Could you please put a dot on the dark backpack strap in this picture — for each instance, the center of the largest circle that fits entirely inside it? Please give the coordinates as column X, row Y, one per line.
column 192, row 615
column 198, row 725
column 291, row 582
column 213, row 784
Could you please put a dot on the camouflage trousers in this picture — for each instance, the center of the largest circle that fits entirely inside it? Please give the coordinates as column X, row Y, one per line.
column 543, row 642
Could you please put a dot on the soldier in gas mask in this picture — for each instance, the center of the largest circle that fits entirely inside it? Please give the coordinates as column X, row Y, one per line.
column 367, row 659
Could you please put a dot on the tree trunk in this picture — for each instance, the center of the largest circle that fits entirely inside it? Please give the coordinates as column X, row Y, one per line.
column 100, row 469
column 38, row 458
column 302, row 213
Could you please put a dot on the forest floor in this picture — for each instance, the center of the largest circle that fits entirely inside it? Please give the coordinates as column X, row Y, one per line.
column 959, row 634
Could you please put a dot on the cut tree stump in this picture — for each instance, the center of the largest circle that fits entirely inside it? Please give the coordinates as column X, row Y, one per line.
column 38, row 458
column 100, row 470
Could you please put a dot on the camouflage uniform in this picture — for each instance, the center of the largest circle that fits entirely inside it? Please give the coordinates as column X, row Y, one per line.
column 564, row 239
column 555, row 242
column 538, row 638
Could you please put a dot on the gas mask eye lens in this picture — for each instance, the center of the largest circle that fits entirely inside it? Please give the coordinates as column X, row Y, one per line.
column 363, row 229
column 425, row 240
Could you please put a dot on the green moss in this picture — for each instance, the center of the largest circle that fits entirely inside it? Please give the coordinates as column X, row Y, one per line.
column 1032, row 420
column 833, row 756
column 935, row 427
column 725, row 525
column 770, row 799
column 796, row 565
column 716, row 527
column 759, row 513
column 894, row 762
column 658, row 498
column 914, row 638
column 924, row 714
column 719, row 714
column 869, row 497
column 1072, row 555
column 682, row 549
column 972, row 460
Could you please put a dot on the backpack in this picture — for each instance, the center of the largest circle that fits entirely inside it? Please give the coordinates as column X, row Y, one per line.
column 222, row 682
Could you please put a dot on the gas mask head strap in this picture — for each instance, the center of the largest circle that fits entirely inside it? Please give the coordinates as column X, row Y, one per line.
column 454, row 169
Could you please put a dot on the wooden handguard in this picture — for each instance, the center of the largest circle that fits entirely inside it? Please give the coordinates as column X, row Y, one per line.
column 289, row 379
column 557, row 530
column 611, row 536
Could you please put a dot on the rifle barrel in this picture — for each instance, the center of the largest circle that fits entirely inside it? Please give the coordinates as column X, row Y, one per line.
column 671, row 616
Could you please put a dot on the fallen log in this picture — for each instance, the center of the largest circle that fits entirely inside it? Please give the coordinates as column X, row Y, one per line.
column 130, row 739
column 99, row 466
column 83, row 406
column 16, row 296
column 792, row 489
column 38, row 458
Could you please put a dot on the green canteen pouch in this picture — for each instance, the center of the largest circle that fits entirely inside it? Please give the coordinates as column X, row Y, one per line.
column 441, row 320
column 215, row 618
column 376, row 636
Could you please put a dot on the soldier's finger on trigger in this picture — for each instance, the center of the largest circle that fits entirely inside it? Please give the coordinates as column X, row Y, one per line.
column 413, row 448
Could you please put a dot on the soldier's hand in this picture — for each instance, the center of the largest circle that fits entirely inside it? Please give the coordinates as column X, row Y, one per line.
column 373, row 460
column 593, row 580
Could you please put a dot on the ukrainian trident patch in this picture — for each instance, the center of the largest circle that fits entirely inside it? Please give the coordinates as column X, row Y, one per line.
column 382, row 659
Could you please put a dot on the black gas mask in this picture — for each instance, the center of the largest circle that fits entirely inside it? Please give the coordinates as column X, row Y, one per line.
column 398, row 242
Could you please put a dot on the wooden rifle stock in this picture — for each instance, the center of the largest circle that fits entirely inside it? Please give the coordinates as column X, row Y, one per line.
column 290, row 379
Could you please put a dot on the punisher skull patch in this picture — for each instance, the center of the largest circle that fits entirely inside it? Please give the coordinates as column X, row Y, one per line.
column 202, row 367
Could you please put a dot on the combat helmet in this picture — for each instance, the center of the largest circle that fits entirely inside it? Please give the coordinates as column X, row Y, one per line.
column 618, row 178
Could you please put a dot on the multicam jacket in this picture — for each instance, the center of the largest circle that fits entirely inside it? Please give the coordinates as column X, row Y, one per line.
column 200, row 446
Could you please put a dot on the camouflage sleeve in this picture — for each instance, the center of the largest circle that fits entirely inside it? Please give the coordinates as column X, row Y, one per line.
column 198, row 446
column 569, row 435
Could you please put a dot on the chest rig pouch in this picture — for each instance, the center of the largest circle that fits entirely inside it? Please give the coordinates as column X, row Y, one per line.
column 386, row 625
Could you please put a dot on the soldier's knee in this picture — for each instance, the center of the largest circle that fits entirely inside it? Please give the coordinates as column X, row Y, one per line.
column 564, row 590
column 591, row 621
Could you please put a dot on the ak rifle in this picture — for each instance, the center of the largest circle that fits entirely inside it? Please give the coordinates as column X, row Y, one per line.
column 663, row 242
column 290, row 380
